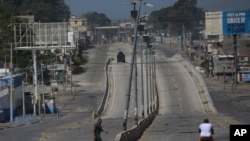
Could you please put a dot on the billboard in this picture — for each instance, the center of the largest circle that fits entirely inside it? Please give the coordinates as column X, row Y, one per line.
column 236, row 22
column 43, row 36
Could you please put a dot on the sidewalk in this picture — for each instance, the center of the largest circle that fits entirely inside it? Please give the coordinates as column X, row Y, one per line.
column 228, row 98
column 61, row 110
column 228, row 101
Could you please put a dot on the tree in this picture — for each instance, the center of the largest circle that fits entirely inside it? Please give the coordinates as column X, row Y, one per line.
column 185, row 3
column 97, row 19
column 46, row 10
column 183, row 13
column 43, row 11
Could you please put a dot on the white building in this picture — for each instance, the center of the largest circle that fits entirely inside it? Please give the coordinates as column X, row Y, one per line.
column 213, row 26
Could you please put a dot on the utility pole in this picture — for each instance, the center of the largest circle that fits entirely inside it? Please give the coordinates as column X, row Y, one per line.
column 183, row 38
column 22, row 31
column 150, row 82
column 154, row 76
column 147, row 82
column 70, row 75
column 153, row 81
column 34, row 82
column 169, row 32
column 125, row 118
column 44, row 107
column 235, row 60
column 136, row 91
column 141, row 29
column 23, row 94
column 11, row 84
column 142, row 87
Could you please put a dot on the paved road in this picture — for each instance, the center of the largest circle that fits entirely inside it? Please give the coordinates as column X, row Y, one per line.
column 78, row 109
column 182, row 107
column 118, row 94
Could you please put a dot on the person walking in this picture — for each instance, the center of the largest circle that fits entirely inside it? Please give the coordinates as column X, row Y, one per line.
column 206, row 131
column 97, row 130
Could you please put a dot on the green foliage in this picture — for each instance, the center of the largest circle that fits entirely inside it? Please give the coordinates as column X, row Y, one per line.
column 205, row 64
column 79, row 60
column 22, row 58
column 43, row 11
column 183, row 13
column 97, row 19
column 185, row 3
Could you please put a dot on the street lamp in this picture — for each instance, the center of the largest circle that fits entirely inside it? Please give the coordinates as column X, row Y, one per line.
column 141, row 29
column 135, row 14
column 11, row 84
column 44, row 107
column 76, row 35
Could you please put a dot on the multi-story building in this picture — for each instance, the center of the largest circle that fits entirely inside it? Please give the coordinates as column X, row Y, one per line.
column 213, row 27
column 78, row 25
column 219, row 30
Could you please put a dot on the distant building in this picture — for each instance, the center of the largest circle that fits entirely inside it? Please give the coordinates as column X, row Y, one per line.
column 78, row 24
column 125, row 31
column 219, row 30
column 223, row 64
column 213, row 27
column 215, row 37
column 78, row 27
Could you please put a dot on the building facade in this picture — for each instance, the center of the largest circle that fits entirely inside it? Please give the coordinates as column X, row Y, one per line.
column 220, row 40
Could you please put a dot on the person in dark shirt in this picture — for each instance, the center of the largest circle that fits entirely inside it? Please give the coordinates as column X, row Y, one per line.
column 97, row 130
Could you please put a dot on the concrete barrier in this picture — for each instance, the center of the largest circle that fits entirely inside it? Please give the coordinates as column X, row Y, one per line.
column 135, row 132
column 101, row 108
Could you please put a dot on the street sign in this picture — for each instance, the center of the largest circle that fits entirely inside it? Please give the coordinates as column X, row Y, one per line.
column 236, row 22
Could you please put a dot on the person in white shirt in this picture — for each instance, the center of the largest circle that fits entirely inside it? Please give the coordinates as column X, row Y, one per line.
column 206, row 131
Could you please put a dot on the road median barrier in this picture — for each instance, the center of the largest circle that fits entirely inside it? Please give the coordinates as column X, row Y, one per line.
column 135, row 132
column 101, row 108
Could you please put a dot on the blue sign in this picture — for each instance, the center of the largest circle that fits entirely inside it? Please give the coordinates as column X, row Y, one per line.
column 236, row 22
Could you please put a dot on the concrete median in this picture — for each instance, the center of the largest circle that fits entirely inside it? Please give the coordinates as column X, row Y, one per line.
column 135, row 132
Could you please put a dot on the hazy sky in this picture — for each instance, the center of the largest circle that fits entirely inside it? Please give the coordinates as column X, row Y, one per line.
column 116, row 9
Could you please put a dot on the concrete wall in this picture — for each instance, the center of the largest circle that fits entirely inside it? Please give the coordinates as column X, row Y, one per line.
column 135, row 133
column 101, row 108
